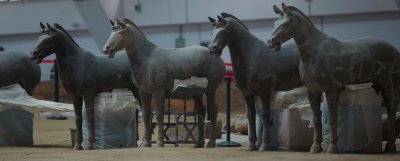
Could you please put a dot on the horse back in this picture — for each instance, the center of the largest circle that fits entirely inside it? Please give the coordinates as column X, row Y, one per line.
column 194, row 61
column 16, row 67
column 112, row 73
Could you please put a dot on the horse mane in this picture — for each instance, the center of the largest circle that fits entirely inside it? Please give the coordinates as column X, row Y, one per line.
column 225, row 15
column 292, row 8
column 58, row 26
column 133, row 24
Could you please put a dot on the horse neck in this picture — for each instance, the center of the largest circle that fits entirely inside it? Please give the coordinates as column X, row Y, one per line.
column 239, row 48
column 68, row 56
column 140, row 53
column 308, row 37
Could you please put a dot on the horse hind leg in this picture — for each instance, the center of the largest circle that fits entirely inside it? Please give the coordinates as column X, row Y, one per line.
column 26, row 85
column 386, row 86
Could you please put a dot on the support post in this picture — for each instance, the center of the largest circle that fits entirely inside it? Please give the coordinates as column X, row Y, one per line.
column 56, row 86
column 228, row 142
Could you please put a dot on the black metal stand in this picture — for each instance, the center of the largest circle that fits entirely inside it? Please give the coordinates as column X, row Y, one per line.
column 56, row 86
column 228, row 142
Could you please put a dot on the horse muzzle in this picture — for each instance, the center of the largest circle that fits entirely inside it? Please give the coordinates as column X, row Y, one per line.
column 214, row 50
column 274, row 44
column 109, row 51
column 36, row 56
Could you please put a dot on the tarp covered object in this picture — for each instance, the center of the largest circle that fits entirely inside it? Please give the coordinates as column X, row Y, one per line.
column 16, row 127
column 115, row 120
column 290, row 115
column 14, row 95
column 16, row 118
column 359, row 124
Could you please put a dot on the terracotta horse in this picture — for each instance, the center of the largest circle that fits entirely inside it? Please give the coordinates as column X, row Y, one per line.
column 16, row 67
column 258, row 70
column 156, row 69
column 328, row 65
column 83, row 74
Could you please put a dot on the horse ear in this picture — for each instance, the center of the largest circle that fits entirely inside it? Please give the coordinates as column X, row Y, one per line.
column 121, row 24
column 277, row 10
column 49, row 26
column 284, row 7
column 220, row 19
column 42, row 26
column 212, row 20
column 112, row 23
column 286, row 10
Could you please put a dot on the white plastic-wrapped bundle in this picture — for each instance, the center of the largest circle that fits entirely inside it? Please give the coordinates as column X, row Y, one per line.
column 16, row 115
column 115, row 120
column 289, row 120
column 359, row 125
column 294, row 132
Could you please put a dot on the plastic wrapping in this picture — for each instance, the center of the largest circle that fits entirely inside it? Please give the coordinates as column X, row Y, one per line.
column 359, row 125
column 14, row 95
column 16, row 118
column 16, row 127
column 289, row 119
column 293, row 131
column 115, row 121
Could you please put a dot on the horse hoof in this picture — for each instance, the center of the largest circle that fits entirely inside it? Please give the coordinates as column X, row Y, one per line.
column 198, row 146
column 251, row 148
column 77, row 147
column 146, row 144
column 390, row 148
column 332, row 150
column 211, row 145
column 88, row 147
column 263, row 148
column 160, row 144
column 315, row 150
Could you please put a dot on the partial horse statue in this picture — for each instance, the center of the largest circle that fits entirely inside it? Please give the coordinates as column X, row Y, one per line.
column 83, row 74
column 258, row 70
column 156, row 68
column 328, row 65
column 16, row 67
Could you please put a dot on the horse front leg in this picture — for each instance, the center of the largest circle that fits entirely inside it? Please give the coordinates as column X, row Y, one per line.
column 213, row 111
column 332, row 98
column 77, row 102
column 146, row 111
column 315, row 102
column 89, row 107
column 265, row 101
column 251, row 117
column 160, row 97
